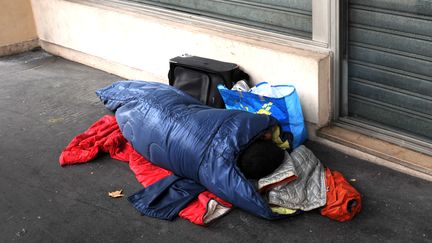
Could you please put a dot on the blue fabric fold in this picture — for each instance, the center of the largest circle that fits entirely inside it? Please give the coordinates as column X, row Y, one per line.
column 166, row 198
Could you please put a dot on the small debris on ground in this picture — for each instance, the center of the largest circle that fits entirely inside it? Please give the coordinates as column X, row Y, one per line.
column 116, row 194
column 353, row 180
column 56, row 120
column 20, row 233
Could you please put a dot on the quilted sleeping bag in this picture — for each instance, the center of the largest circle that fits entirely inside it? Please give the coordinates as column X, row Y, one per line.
column 176, row 132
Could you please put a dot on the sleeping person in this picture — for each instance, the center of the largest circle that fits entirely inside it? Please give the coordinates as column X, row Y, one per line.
column 206, row 148
column 262, row 156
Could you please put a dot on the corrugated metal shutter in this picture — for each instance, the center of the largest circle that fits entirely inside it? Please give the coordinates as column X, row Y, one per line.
column 390, row 64
column 290, row 17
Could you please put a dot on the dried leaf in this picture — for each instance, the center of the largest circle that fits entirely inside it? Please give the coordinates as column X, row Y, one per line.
column 116, row 194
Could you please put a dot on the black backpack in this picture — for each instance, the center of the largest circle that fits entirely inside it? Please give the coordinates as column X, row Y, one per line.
column 199, row 77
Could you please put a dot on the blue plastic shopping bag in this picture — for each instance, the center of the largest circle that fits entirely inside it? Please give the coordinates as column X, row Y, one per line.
column 279, row 101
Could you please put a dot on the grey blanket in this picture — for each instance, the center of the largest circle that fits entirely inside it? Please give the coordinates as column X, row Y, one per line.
column 307, row 192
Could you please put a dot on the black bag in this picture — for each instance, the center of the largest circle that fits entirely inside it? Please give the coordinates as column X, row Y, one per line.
column 199, row 77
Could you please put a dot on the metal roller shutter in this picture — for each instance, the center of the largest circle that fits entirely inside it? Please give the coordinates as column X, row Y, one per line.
column 390, row 65
column 290, row 17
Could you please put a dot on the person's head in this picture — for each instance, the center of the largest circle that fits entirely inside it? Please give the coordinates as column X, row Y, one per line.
column 260, row 159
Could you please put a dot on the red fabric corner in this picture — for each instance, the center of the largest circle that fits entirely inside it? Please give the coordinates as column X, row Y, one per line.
column 197, row 209
column 343, row 200
column 104, row 135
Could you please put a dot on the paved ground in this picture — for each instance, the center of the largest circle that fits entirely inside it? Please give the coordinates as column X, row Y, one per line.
column 45, row 101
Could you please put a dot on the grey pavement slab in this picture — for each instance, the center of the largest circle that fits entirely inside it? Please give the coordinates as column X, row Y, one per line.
column 45, row 101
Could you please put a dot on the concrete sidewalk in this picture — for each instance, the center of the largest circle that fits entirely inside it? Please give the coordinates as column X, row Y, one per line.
column 45, row 101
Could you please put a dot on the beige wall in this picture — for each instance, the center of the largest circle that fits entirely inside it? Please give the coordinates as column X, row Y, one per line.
column 16, row 22
column 111, row 39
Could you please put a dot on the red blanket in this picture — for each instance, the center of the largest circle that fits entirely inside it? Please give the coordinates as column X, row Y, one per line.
column 105, row 136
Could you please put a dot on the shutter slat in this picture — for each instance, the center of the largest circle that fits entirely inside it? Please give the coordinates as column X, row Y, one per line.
column 287, row 17
column 390, row 64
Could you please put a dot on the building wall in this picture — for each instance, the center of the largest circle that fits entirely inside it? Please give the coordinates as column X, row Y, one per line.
column 16, row 23
column 137, row 45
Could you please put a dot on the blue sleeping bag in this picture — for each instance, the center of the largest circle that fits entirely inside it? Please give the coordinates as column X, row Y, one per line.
column 194, row 141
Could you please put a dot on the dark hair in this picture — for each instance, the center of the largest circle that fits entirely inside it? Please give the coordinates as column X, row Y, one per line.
column 260, row 158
